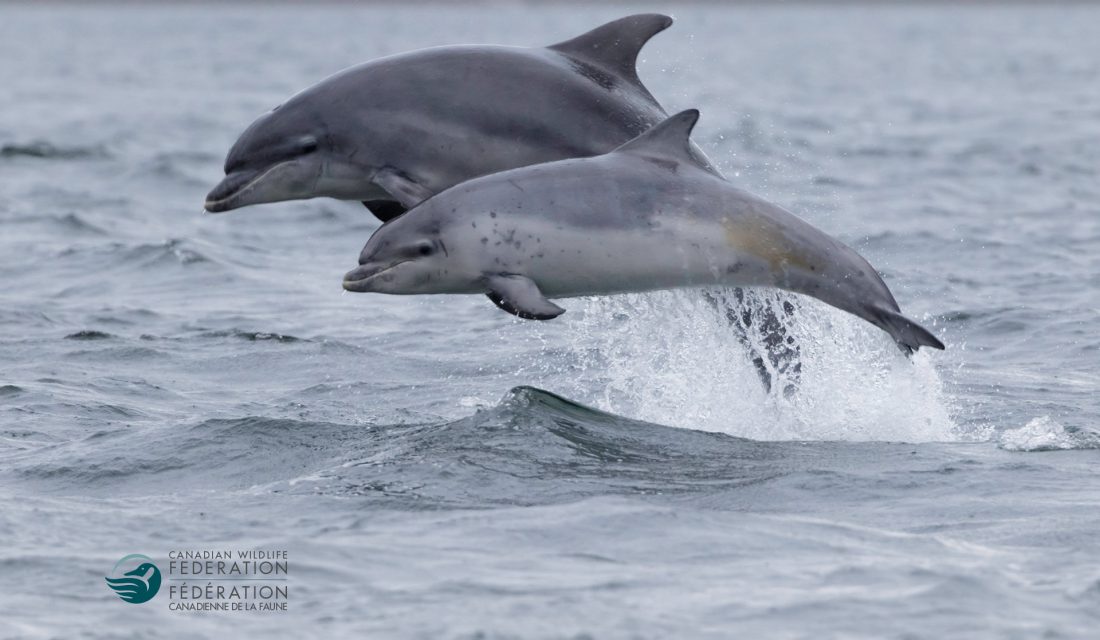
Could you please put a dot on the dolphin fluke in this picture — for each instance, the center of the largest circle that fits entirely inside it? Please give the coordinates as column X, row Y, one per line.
column 909, row 335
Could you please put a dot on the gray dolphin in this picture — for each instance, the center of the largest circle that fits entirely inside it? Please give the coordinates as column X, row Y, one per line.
column 649, row 215
column 394, row 131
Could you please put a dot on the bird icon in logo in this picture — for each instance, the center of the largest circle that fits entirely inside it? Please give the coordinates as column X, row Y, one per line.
column 138, row 585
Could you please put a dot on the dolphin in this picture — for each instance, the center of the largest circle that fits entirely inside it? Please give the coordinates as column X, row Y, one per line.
column 648, row 215
column 393, row 132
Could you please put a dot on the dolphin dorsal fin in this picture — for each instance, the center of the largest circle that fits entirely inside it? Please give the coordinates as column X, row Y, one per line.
column 615, row 46
column 670, row 139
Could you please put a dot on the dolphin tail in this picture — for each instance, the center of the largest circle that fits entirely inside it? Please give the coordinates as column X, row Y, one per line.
column 909, row 335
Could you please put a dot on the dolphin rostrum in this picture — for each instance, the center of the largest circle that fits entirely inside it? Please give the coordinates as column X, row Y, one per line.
column 648, row 215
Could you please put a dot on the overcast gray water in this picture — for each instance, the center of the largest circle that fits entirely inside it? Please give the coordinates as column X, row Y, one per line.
column 435, row 468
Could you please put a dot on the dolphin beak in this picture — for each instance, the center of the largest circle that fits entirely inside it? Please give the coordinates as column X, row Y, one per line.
column 283, row 181
column 362, row 278
column 226, row 196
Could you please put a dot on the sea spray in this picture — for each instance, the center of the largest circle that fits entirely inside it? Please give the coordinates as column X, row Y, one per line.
column 675, row 358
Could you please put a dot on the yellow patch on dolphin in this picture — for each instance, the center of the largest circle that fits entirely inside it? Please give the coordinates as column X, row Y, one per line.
column 762, row 238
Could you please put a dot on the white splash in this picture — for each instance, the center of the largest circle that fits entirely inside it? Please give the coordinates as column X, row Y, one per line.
column 673, row 358
column 1040, row 434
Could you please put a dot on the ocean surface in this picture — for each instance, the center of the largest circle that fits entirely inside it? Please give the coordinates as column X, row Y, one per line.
column 435, row 468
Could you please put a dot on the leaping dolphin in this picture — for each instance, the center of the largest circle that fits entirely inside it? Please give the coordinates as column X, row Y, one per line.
column 649, row 215
column 394, row 131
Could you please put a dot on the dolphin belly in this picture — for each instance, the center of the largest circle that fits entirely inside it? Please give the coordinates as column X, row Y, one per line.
column 575, row 262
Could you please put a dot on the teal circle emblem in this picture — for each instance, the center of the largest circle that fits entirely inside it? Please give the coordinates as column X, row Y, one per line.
column 139, row 582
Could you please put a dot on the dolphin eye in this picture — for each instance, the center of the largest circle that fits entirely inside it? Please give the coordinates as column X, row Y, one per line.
column 425, row 249
column 309, row 145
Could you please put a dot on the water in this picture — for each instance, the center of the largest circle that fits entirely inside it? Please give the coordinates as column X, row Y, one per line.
column 178, row 381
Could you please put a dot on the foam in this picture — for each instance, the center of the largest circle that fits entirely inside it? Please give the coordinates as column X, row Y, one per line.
column 1039, row 434
column 671, row 357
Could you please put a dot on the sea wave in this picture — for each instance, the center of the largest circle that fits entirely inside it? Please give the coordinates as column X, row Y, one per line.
column 44, row 150
column 1046, row 434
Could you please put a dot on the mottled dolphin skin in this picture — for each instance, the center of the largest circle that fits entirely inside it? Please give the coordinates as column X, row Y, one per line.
column 646, row 216
column 394, row 131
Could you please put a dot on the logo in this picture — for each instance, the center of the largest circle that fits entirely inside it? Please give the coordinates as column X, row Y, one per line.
column 137, row 585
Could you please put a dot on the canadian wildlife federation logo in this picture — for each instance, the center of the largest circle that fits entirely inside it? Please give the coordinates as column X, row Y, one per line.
column 135, row 578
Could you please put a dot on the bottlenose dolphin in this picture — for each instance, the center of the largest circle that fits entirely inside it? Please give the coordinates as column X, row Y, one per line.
column 394, row 131
column 648, row 215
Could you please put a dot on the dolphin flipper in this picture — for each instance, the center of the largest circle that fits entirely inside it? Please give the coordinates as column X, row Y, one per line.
column 406, row 191
column 520, row 296
column 385, row 210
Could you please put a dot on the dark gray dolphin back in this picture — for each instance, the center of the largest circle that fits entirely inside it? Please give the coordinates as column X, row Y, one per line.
column 397, row 130
column 444, row 115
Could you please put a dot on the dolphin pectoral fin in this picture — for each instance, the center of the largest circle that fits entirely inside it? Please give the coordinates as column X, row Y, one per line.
column 404, row 189
column 909, row 335
column 520, row 296
column 385, row 210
